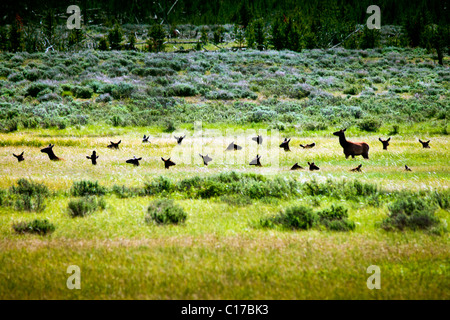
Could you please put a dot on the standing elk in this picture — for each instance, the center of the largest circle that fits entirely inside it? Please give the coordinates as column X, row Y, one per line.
column 285, row 144
column 352, row 148
column 134, row 161
column 114, row 145
column 93, row 157
column 385, row 143
column 19, row 157
column 313, row 167
column 49, row 150
column 168, row 163
column 206, row 159
column 256, row 162
column 425, row 144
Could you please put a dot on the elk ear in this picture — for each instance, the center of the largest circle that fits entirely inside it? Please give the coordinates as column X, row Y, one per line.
column 163, row 159
column 428, row 141
column 388, row 139
column 380, row 139
column 119, row 141
column 420, row 141
column 344, row 129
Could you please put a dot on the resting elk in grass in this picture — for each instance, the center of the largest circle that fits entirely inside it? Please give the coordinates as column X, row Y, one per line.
column 296, row 167
column 134, row 161
column 258, row 139
column 19, row 157
column 49, row 150
column 256, row 162
column 285, row 144
column 308, row 146
column 352, row 148
column 179, row 139
column 93, row 157
column 357, row 169
column 114, row 145
column 232, row 146
column 425, row 144
column 168, row 163
column 145, row 139
column 206, row 159
column 313, row 167
column 385, row 143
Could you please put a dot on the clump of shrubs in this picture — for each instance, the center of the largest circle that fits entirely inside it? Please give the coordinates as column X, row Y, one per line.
column 370, row 124
column 84, row 206
column 29, row 195
column 165, row 211
column 334, row 218
column 41, row 227
column 87, row 188
column 410, row 213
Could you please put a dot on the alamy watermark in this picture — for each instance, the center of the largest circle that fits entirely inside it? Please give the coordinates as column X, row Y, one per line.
column 74, row 281
column 374, row 281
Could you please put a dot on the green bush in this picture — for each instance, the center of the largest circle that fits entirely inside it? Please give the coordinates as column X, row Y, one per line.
column 87, row 188
column 410, row 212
column 370, row 124
column 41, row 227
column 333, row 213
column 29, row 195
column 296, row 217
column 84, row 206
column 82, row 92
column 165, row 211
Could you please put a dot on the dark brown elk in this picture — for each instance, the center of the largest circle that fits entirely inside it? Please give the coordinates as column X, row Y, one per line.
column 93, row 157
column 308, row 146
column 145, row 139
column 256, row 162
column 232, row 146
column 114, row 145
column 49, row 150
column 285, row 144
column 206, row 159
column 168, row 163
column 385, row 143
column 357, row 169
column 407, row 168
column 179, row 139
column 313, row 167
column 352, row 148
column 134, row 161
column 296, row 167
column 425, row 144
column 258, row 139
column 19, row 157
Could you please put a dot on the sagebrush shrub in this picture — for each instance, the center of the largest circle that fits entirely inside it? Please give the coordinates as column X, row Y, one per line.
column 165, row 211
column 41, row 227
column 86, row 188
column 84, row 206
column 29, row 195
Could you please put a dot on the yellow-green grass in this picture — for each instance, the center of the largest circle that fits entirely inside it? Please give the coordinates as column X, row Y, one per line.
column 219, row 253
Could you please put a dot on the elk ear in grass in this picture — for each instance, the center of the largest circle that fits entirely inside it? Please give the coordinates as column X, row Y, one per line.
column 296, row 167
column 256, row 162
column 407, row 168
column 425, row 144
column 206, row 159
column 114, row 145
column 168, row 163
column 308, row 146
column 93, row 157
column 134, row 161
column 285, row 144
column 313, row 167
column 19, row 157
column 145, row 139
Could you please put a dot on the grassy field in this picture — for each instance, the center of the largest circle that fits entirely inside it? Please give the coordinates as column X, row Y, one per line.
column 220, row 252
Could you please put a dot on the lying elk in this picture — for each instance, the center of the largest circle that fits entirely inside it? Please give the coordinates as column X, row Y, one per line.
column 49, row 150
column 357, row 169
column 206, row 159
column 114, row 145
column 93, row 157
column 352, row 148
column 313, row 167
column 256, row 162
column 145, row 139
column 425, row 144
column 308, row 146
column 134, row 161
column 232, row 146
column 407, row 168
column 296, row 167
column 258, row 139
column 285, row 144
column 385, row 143
column 179, row 139
column 168, row 163
column 19, row 157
